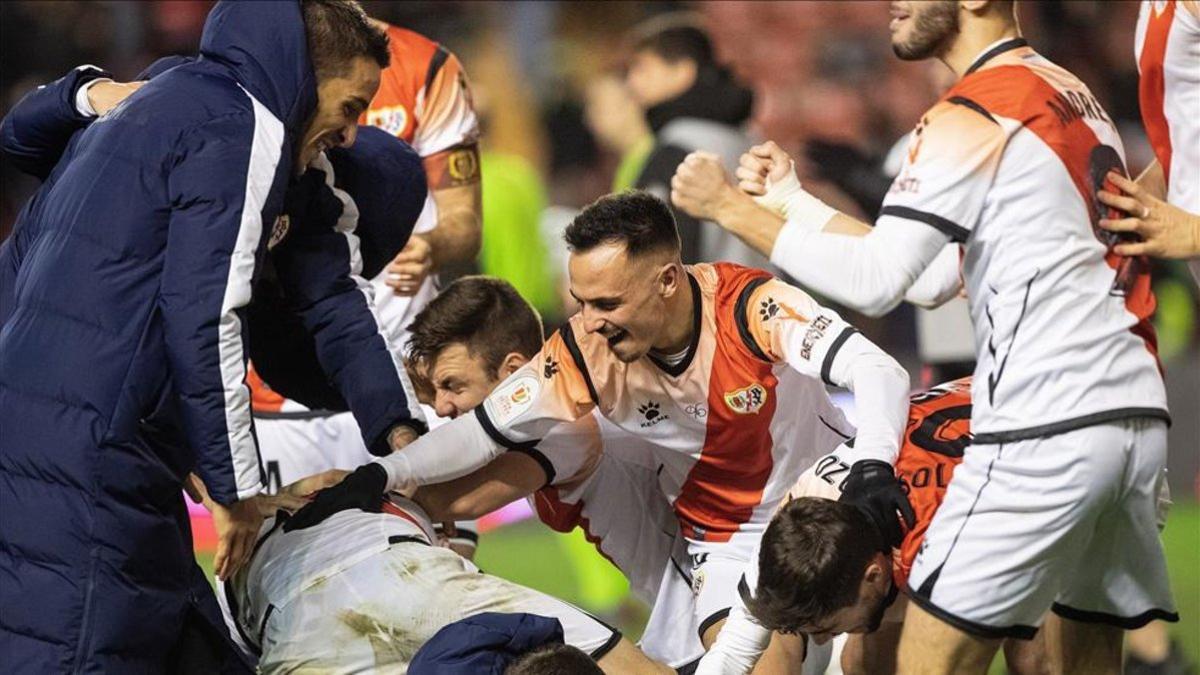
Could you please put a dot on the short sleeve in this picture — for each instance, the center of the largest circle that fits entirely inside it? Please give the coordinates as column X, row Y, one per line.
column 787, row 325
column 445, row 113
column 551, row 389
column 949, row 166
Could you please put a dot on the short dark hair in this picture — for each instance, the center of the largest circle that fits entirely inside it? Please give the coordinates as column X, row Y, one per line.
column 638, row 219
column 811, row 562
column 486, row 313
column 675, row 37
column 338, row 32
column 553, row 659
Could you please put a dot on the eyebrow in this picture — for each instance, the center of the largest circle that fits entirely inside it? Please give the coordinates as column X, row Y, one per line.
column 593, row 300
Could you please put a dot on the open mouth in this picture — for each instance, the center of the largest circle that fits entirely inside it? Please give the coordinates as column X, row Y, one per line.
column 615, row 337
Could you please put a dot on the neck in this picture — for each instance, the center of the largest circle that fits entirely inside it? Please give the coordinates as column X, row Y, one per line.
column 973, row 39
column 680, row 308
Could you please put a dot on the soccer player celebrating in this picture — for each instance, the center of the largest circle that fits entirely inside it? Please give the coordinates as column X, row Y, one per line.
column 1069, row 410
column 719, row 368
column 823, row 569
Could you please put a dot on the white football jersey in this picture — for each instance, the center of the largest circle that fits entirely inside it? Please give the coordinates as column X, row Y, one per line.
column 1008, row 162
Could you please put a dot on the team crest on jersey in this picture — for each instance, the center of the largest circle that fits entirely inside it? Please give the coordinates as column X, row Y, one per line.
column 392, row 119
column 747, row 400
column 279, row 230
column 512, row 399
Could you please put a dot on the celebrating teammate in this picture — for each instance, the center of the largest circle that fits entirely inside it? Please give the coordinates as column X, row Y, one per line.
column 823, row 569
column 1069, row 408
column 718, row 367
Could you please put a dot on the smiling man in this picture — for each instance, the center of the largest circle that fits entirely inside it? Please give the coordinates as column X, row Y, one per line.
column 719, row 369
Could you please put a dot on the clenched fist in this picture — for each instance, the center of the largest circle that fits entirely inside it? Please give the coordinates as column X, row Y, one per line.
column 701, row 186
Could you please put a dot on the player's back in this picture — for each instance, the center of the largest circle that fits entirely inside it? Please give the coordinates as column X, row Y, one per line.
column 1062, row 327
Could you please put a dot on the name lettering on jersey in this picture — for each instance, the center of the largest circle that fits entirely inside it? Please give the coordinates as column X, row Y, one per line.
column 279, row 230
column 816, row 331
column 905, row 183
column 392, row 119
column 747, row 400
column 513, row 399
column 653, row 413
column 1072, row 105
column 550, row 369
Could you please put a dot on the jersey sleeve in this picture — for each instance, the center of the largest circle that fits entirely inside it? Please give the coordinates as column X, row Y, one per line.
column 445, row 113
column 789, row 326
column 570, row 451
column 552, row 388
column 948, row 168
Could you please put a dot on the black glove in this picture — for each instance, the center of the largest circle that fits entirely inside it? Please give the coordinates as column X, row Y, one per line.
column 873, row 487
column 362, row 490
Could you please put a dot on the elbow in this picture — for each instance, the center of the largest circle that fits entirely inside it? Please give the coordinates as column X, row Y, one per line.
column 877, row 304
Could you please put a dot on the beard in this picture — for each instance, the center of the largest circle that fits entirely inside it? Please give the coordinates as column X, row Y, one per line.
column 932, row 28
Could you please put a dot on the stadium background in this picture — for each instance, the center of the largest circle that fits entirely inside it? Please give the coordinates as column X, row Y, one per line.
column 823, row 77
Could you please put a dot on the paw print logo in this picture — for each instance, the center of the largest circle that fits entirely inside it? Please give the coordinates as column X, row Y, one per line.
column 650, row 410
column 551, row 368
column 767, row 309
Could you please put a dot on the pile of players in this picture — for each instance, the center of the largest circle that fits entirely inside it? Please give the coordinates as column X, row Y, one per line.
column 681, row 417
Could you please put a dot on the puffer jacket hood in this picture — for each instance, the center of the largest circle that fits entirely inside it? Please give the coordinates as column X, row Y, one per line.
column 264, row 43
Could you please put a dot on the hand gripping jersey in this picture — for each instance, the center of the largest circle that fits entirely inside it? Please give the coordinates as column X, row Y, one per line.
column 731, row 427
column 1167, row 47
column 1009, row 161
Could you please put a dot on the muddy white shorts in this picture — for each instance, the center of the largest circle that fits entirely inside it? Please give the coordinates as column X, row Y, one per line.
column 375, row 615
column 1068, row 522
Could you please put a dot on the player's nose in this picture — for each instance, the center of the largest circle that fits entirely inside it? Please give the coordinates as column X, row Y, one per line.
column 444, row 407
column 349, row 133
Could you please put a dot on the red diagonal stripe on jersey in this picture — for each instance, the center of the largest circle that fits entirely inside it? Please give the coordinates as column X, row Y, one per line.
column 1152, row 85
column 726, row 483
column 1019, row 93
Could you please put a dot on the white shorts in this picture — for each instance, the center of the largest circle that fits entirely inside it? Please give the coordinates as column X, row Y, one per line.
column 375, row 615
column 1068, row 523
column 624, row 513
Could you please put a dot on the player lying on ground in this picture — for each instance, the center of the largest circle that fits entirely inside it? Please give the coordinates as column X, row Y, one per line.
column 365, row 589
column 720, row 368
column 824, row 570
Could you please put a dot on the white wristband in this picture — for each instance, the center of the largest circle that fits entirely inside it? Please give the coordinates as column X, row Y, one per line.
column 778, row 195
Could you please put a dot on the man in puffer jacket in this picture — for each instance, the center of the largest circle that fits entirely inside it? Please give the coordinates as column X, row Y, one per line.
column 122, row 361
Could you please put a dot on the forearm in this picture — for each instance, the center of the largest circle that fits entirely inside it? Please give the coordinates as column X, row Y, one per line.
column 509, row 477
column 940, row 282
column 880, row 387
column 869, row 273
column 450, row 451
column 740, row 643
column 459, row 231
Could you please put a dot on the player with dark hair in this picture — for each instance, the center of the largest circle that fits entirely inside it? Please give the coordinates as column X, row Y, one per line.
column 554, row 659
column 823, row 568
column 719, row 369
column 1070, row 410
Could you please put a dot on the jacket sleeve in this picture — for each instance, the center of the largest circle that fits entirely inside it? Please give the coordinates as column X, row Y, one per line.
column 318, row 265
column 218, row 185
column 36, row 131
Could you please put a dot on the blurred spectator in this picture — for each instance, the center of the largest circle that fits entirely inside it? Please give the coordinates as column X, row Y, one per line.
column 619, row 125
column 691, row 103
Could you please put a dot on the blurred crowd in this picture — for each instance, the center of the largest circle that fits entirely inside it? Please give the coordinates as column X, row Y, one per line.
column 562, row 126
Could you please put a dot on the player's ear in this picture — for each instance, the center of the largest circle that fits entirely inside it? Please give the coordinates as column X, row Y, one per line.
column 668, row 279
column 878, row 570
column 511, row 364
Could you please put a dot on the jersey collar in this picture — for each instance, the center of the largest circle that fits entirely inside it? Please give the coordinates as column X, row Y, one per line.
column 994, row 50
column 697, row 308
